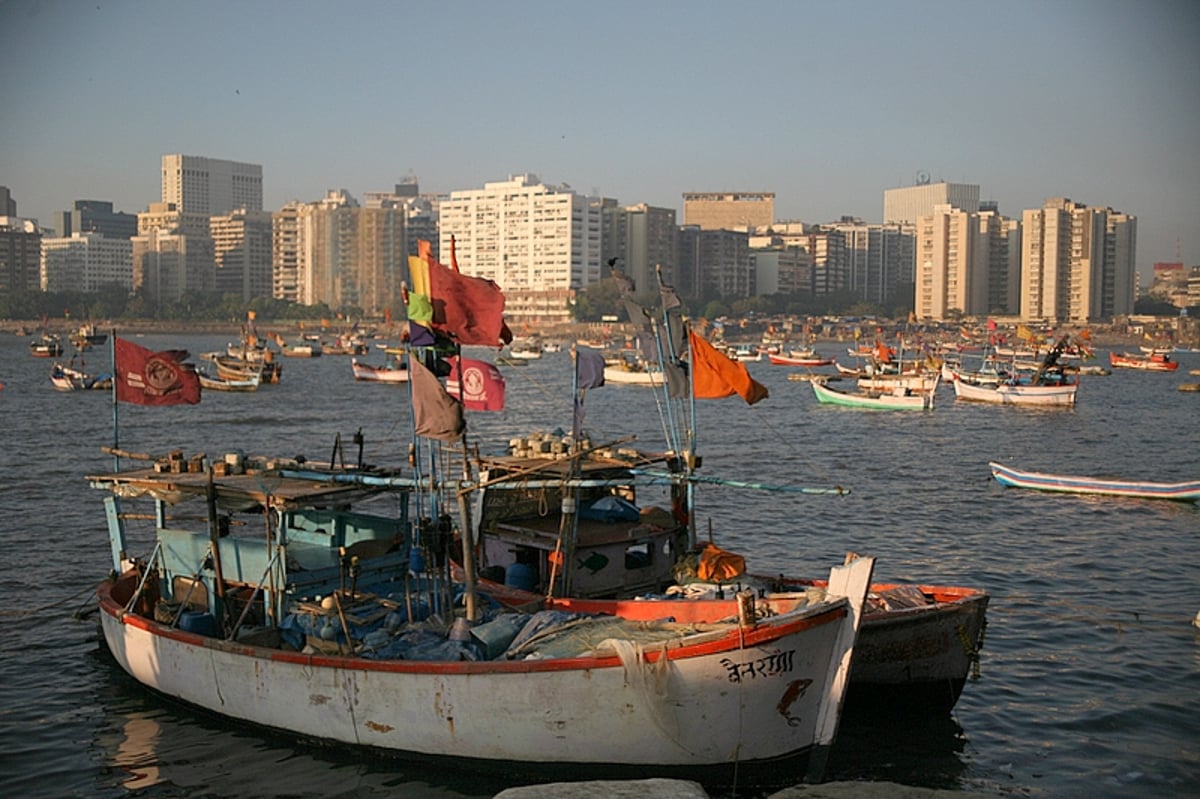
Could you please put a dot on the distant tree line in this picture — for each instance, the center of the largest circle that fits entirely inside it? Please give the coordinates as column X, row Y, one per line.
column 114, row 302
column 591, row 305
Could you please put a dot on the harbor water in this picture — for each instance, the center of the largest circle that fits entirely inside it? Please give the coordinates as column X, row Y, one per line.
column 1089, row 682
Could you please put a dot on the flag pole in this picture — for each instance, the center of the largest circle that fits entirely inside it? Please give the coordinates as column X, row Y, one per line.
column 112, row 349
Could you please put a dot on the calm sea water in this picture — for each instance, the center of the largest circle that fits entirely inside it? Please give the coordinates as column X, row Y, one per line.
column 1090, row 678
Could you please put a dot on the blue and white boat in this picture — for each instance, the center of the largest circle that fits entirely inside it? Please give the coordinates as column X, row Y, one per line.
column 1041, row 481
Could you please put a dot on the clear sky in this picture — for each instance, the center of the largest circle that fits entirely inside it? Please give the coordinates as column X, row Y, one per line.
column 827, row 104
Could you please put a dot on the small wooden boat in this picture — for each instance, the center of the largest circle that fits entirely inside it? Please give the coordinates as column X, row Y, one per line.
column 1071, row 484
column 898, row 399
column 214, row 383
column 1156, row 362
column 47, row 345
column 628, row 372
column 391, row 372
column 1062, row 394
column 799, row 360
column 69, row 378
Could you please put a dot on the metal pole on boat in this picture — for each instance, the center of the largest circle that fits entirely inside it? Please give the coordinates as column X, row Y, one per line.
column 214, row 535
column 112, row 349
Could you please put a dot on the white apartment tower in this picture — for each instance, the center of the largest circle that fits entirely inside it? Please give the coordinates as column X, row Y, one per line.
column 210, row 186
column 538, row 242
column 1077, row 262
column 951, row 277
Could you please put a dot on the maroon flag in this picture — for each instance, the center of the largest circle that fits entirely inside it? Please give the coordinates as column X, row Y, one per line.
column 435, row 413
column 477, row 384
column 154, row 378
column 471, row 309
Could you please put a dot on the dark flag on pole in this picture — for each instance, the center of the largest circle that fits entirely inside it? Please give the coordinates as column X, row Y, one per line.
column 435, row 413
column 589, row 373
column 144, row 377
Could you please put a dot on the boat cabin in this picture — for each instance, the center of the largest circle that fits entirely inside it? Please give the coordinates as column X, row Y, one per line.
column 550, row 519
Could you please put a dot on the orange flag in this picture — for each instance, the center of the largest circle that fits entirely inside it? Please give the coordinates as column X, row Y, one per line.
column 715, row 376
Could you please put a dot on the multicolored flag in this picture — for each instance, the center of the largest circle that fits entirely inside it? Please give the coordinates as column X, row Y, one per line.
column 144, row 377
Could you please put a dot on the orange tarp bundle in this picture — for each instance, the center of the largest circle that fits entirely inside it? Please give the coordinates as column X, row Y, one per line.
column 717, row 565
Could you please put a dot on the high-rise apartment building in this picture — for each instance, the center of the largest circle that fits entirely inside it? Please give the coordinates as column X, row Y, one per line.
column 781, row 269
column 242, row 253
column 288, row 257
column 728, row 210
column 1077, row 263
column 909, row 203
column 350, row 258
column 20, row 255
column 713, row 263
column 210, row 186
column 172, row 252
column 878, row 258
column 95, row 216
column 966, row 263
column 642, row 237
column 86, row 262
column 528, row 237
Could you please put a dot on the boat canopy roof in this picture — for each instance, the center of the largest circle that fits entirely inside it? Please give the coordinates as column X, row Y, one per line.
column 281, row 488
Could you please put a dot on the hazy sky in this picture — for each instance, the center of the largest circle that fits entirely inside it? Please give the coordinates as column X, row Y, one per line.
column 824, row 103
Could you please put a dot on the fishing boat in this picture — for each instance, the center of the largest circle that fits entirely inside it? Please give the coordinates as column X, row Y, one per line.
column 391, row 372
column 632, row 372
column 1188, row 491
column 609, row 522
column 310, row 603
column 267, row 369
column 811, row 359
column 47, row 345
column 87, row 337
column 898, row 398
column 215, row 383
column 1047, row 385
column 1155, row 362
column 1047, row 394
column 68, row 377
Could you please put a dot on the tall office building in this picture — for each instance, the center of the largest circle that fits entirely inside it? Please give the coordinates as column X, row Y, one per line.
column 538, row 242
column 728, row 210
column 1077, row 263
column 713, row 263
column 86, row 262
column 210, row 186
column 95, row 216
column 909, row 203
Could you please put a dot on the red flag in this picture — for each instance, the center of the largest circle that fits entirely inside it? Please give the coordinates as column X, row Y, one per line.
column 715, row 375
column 154, row 378
column 477, row 384
column 470, row 309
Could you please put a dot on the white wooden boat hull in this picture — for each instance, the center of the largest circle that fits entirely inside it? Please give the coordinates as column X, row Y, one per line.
column 1017, row 395
column 917, row 401
column 377, row 374
column 1005, row 475
column 747, row 694
column 924, row 381
column 622, row 376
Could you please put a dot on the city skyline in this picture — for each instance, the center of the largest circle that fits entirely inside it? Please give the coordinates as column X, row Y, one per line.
column 826, row 107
